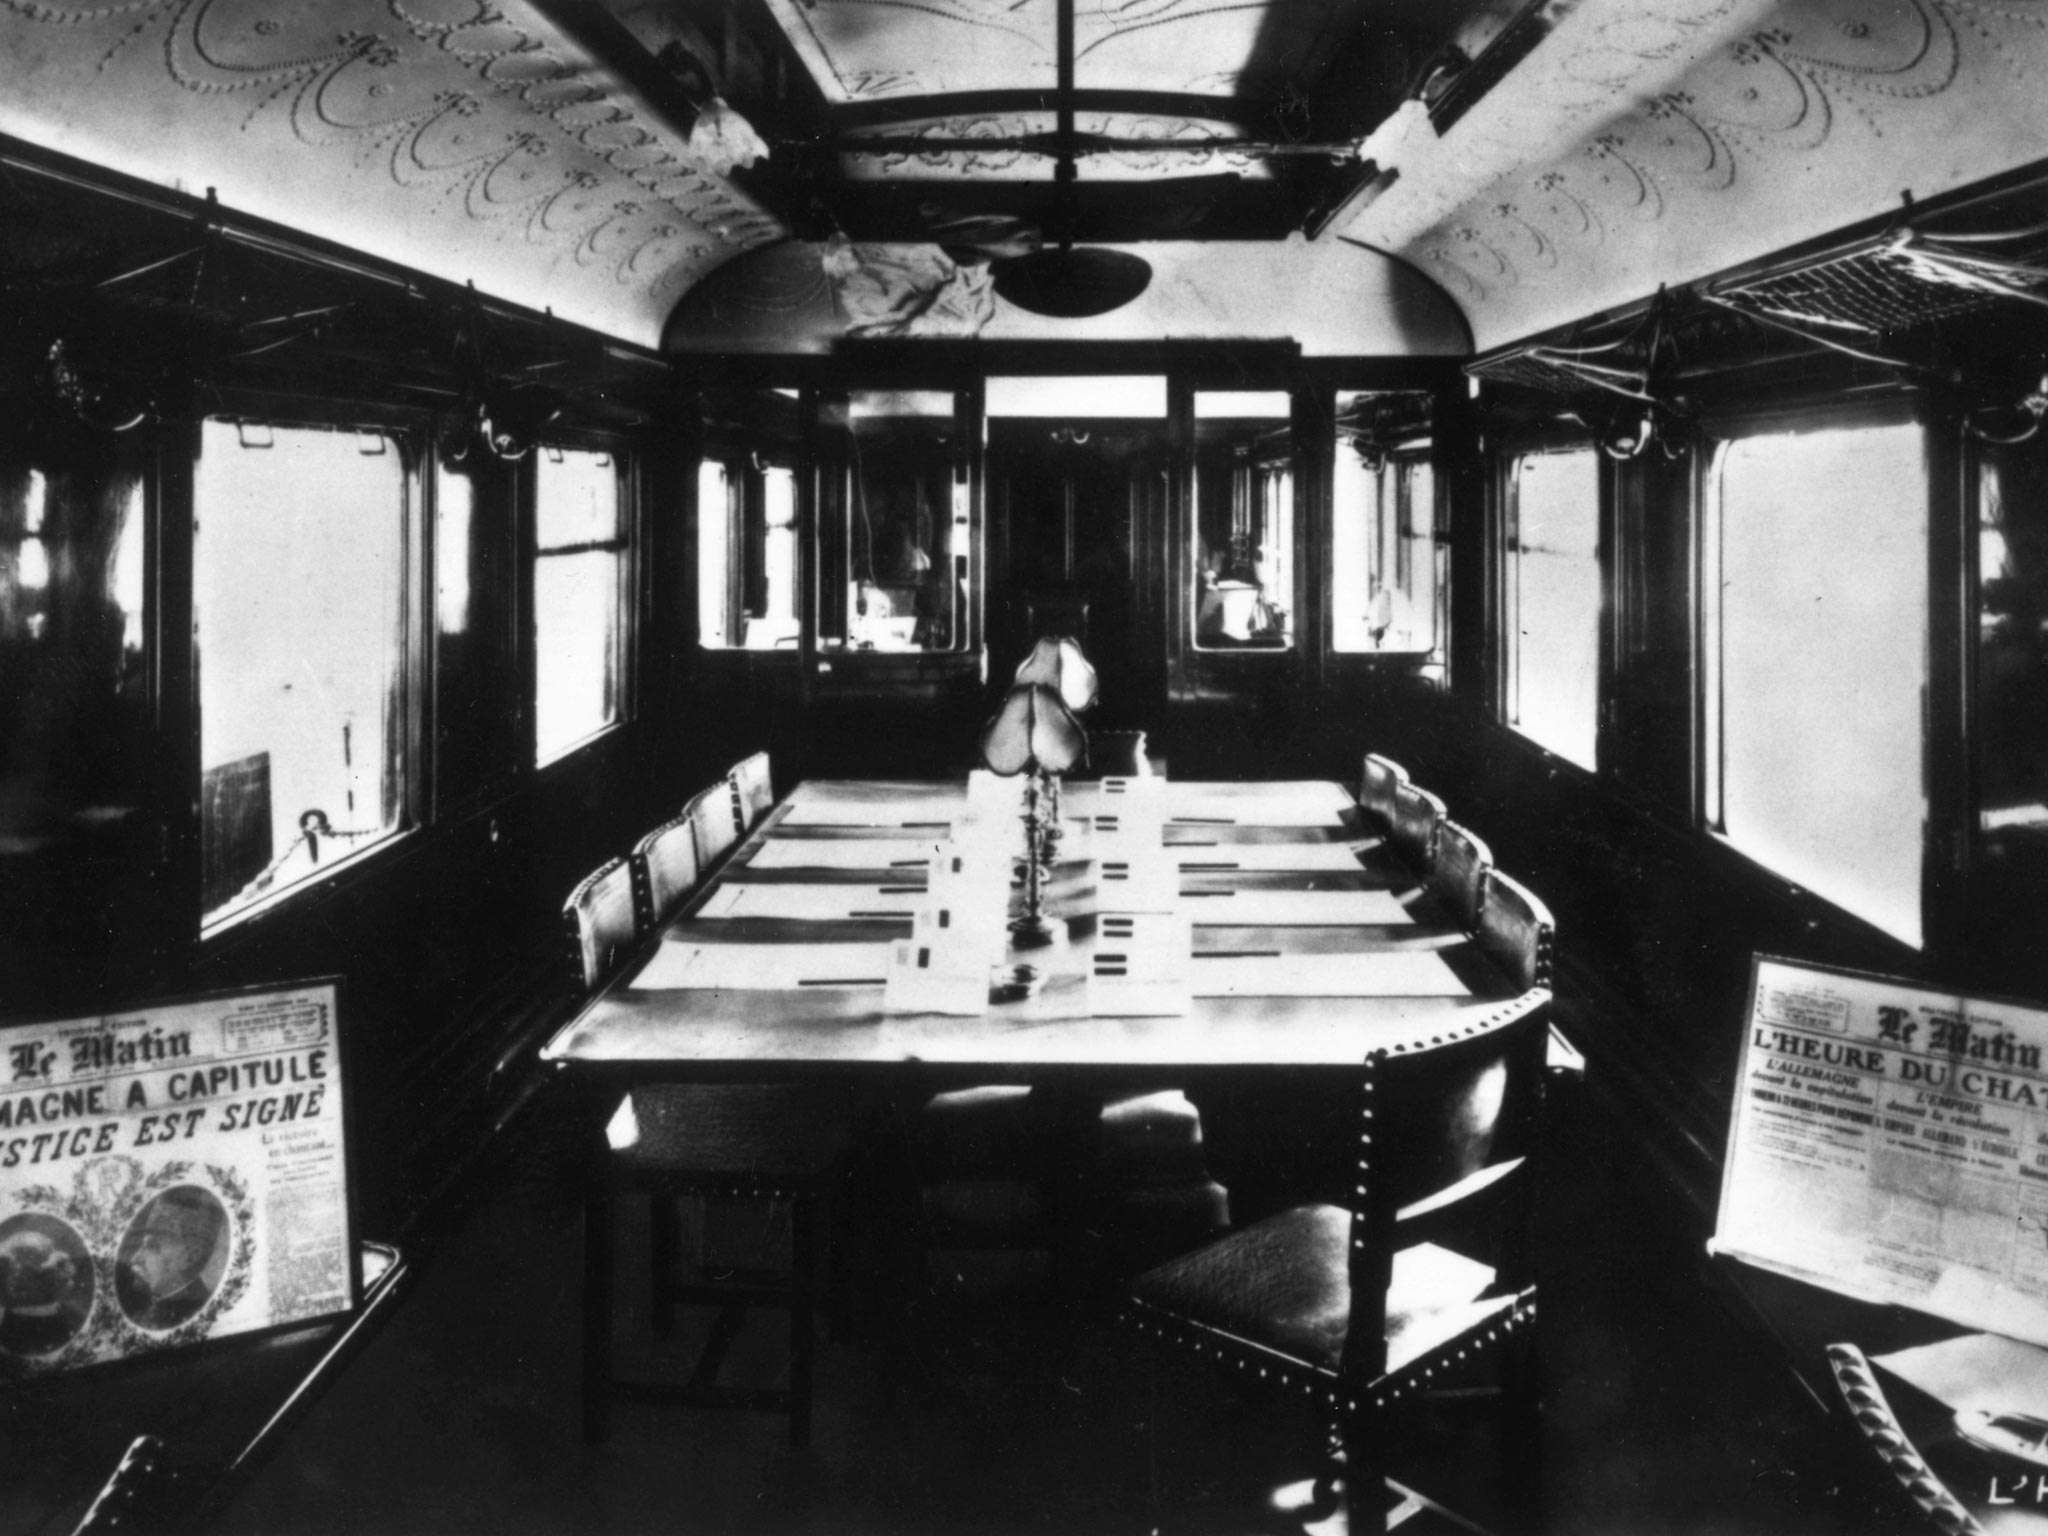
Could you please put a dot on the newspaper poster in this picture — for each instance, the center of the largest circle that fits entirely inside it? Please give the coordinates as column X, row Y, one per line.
column 1890, row 1142
column 170, row 1175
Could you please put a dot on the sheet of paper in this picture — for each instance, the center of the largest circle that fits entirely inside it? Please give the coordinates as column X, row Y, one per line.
column 1304, row 858
column 982, row 928
column 1886, row 1143
column 1274, row 811
column 1281, row 908
column 928, row 978
column 1148, row 882
column 1368, row 973
column 813, row 901
column 762, row 967
column 911, row 856
column 1977, row 1370
column 1139, row 966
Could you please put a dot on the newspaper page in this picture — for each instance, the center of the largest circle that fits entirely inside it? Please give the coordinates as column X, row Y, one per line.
column 1891, row 1142
column 170, row 1175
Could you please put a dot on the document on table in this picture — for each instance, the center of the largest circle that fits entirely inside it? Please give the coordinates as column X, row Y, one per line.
column 813, row 901
column 1296, row 858
column 1281, row 908
column 762, row 967
column 846, row 853
column 1366, row 973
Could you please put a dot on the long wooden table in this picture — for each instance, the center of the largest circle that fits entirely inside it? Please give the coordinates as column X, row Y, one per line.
column 1313, row 945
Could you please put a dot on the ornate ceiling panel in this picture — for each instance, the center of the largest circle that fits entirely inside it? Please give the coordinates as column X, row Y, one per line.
column 1682, row 137
column 467, row 140
column 864, row 50
column 1004, row 159
column 1333, row 298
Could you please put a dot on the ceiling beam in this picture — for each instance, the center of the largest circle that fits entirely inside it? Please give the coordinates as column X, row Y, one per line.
column 909, row 109
column 592, row 28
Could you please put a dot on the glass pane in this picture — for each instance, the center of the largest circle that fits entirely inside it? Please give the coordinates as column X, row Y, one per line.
column 1822, row 659
column 299, row 580
column 1133, row 397
column 1386, row 571
column 2012, row 659
column 74, row 707
column 893, row 525
column 1243, row 555
column 576, row 648
column 476, row 654
column 1554, row 642
column 775, row 627
column 715, row 573
column 576, row 497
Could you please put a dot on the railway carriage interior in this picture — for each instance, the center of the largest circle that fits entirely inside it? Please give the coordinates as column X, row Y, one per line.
column 439, row 439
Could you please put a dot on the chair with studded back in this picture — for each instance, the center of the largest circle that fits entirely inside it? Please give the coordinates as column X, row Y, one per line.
column 1417, row 815
column 1376, row 785
column 1410, row 1286
column 1458, row 873
column 753, row 792
column 668, row 1142
column 711, row 816
column 664, row 871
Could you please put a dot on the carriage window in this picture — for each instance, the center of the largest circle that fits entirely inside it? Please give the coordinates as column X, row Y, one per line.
column 301, row 591
column 893, row 523
column 746, row 557
column 1387, row 568
column 1552, row 601
column 2012, row 660
column 579, row 598
column 1243, row 497
column 1814, row 575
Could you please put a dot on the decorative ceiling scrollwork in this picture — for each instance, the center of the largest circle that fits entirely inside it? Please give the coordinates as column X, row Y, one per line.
column 465, row 139
column 1708, row 131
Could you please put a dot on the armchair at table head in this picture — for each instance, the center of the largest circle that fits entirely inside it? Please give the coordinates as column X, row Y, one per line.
column 664, row 871
column 753, row 792
column 1459, row 872
column 1417, row 815
column 603, row 923
column 1376, row 786
column 1117, row 755
column 710, row 814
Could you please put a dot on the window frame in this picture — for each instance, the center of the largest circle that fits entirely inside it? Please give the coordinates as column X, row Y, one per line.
column 629, row 544
column 1716, row 431
column 1296, row 467
column 1505, row 544
column 412, row 436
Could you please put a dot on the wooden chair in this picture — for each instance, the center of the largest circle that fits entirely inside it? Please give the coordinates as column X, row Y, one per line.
column 664, row 870
column 753, row 792
column 1417, row 815
column 1516, row 931
column 1458, row 873
column 1410, row 1285
column 673, row 1141
column 1117, row 755
column 711, row 814
column 1376, row 786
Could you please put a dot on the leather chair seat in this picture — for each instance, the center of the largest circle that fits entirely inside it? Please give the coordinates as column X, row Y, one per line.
column 1284, row 1284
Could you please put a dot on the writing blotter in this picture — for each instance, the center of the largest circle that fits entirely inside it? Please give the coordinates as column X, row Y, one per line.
column 814, row 901
column 1367, row 973
column 762, row 967
column 907, row 854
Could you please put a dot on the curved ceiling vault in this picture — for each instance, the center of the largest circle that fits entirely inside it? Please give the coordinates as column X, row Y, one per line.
column 1684, row 137
column 473, row 142
column 541, row 148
